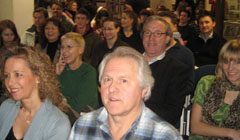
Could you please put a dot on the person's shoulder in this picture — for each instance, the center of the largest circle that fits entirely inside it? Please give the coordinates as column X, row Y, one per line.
column 174, row 63
column 160, row 129
column 9, row 103
column 88, row 67
column 53, row 112
column 207, row 79
column 89, row 119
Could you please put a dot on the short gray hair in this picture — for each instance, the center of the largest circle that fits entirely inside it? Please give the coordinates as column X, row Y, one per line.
column 145, row 77
column 162, row 20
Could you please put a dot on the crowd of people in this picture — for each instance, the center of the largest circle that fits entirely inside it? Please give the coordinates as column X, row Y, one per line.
column 79, row 66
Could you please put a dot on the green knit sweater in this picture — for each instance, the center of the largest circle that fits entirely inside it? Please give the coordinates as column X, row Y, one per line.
column 79, row 87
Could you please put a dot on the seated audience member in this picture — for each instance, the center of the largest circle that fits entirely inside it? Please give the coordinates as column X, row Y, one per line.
column 178, row 51
column 143, row 15
column 97, row 22
column 91, row 38
column 8, row 34
column 136, row 5
column 161, row 8
column 171, row 75
column 187, row 33
column 216, row 109
column 126, row 81
column 129, row 31
column 51, row 33
column 34, row 109
column 78, row 80
column 8, row 37
column 111, row 28
column 71, row 9
column 207, row 45
column 31, row 36
column 57, row 12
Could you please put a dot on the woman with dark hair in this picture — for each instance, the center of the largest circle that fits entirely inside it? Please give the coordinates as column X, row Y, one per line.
column 216, row 103
column 51, row 33
column 9, row 35
column 71, row 9
column 129, row 32
column 35, row 106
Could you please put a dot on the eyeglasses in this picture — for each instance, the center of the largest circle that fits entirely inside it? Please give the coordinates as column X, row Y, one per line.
column 67, row 48
column 155, row 34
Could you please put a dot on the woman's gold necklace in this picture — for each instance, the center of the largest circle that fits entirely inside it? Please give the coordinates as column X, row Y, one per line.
column 27, row 122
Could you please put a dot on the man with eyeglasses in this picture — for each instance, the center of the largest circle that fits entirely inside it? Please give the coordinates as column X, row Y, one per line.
column 169, row 91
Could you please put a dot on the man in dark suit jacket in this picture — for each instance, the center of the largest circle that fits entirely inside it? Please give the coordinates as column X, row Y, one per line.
column 169, row 91
column 208, row 44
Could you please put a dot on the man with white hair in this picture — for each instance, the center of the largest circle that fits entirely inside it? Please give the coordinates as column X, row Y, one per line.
column 126, row 81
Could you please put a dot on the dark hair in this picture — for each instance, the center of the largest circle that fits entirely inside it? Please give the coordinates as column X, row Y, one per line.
column 162, row 8
column 133, row 16
column 8, row 24
column 83, row 11
column 170, row 15
column 205, row 14
column 114, row 20
column 70, row 3
column 56, row 22
column 57, row 3
column 100, row 14
column 145, row 12
column 41, row 10
column 185, row 11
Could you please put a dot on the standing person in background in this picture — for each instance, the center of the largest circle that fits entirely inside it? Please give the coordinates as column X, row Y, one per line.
column 78, row 80
column 34, row 109
column 126, row 82
column 129, row 31
column 31, row 36
column 216, row 108
column 82, row 27
column 8, row 34
column 51, row 33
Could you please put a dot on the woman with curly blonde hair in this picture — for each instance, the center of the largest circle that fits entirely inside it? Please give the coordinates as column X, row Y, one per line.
column 34, row 110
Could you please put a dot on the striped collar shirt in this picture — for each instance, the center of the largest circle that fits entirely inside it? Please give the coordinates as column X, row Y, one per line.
column 148, row 126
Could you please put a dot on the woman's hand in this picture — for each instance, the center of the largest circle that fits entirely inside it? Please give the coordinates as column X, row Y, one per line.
column 60, row 65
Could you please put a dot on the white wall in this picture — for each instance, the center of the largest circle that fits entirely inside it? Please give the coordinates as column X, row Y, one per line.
column 6, row 11
column 19, row 11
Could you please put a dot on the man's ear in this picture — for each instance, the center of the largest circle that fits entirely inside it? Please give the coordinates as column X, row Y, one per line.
column 214, row 23
column 144, row 92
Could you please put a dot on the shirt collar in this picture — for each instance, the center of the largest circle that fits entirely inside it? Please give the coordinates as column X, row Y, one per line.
column 102, row 119
column 205, row 39
column 160, row 57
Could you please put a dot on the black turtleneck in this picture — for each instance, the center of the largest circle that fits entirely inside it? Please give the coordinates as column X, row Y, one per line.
column 51, row 49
